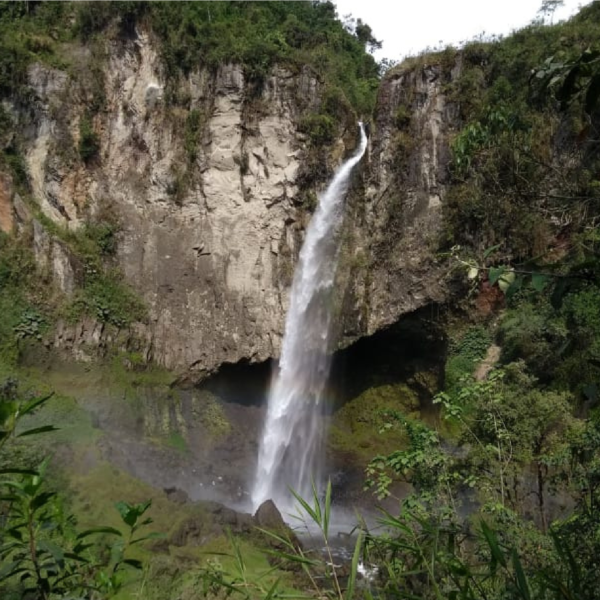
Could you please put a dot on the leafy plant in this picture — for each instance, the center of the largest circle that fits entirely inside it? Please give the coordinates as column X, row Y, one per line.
column 320, row 128
column 31, row 325
column 89, row 141
column 40, row 553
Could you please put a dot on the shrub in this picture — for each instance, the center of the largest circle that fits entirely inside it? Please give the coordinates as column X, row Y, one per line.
column 320, row 128
column 89, row 142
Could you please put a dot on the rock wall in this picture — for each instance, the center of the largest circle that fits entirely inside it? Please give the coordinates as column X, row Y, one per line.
column 210, row 226
column 389, row 264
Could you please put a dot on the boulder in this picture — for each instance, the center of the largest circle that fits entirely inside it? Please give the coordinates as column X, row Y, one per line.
column 268, row 516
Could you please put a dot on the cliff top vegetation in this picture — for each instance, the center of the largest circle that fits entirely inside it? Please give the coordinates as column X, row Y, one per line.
column 257, row 35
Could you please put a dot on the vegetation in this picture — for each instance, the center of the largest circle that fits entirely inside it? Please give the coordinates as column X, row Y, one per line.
column 511, row 189
column 256, row 35
column 89, row 143
column 504, row 491
column 503, row 488
column 43, row 555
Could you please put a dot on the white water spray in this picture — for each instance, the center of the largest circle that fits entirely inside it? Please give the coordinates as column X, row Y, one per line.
column 290, row 449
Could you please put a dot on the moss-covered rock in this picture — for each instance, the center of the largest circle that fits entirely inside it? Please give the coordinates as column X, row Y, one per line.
column 357, row 428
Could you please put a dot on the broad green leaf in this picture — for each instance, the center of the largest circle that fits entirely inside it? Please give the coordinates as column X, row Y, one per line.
column 522, row 583
column 327, row 511
column 272, row 590
column 593, row 94
column 33, row 404
column 495, row 274
column 133, row 562
column 18, row 472
column 295, row 558
column 150, row 536
column 539, row 282
column 306, row 506
column 514, row 286
column 569, row 87
column 492, row 541
column 75, row 556
column 41, row 500
column 276, row 537
column 56, row 551
column 127, row 512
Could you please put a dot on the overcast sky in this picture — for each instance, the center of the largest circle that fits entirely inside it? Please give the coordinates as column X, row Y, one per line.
column 408, row 26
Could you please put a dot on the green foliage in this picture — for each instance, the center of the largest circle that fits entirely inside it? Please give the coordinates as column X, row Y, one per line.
column 25, row 38
column 193, row 124
column 41, row 553
column 508, row 176
column 89, row 142
column 102, row 293
column 208, row 411
column 422, row 464
column 559, row 344
column 32, row 324
column 578, row 80
column 320, row 128
column 257, row 35
column 22, row 315
column 106, row 298
column 177, row 441
column 465, row 351
column 102, row 236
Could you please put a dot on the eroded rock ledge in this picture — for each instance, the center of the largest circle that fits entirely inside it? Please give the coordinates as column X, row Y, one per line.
column 208, row 235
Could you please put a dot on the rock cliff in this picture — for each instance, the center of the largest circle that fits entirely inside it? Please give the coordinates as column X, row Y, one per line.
column 388, row 266
column 206, row 190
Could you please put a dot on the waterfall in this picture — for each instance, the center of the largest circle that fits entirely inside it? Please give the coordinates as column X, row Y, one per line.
column 290, row 449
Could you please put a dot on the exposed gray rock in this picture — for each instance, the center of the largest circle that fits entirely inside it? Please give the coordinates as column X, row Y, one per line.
column 176, row 495
column 388, row 266
column 268, row 516
column 209, row 238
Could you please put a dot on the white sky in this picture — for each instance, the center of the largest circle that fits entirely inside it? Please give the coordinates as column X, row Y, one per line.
column 408, row 26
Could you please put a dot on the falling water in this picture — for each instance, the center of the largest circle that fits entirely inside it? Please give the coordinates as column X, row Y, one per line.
column 290, row 449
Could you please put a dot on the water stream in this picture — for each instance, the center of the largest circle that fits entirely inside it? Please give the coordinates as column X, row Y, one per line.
column 290, row 452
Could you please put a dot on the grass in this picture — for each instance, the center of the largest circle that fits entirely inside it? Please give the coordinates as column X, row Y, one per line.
column 177, row 441
column 174, row 571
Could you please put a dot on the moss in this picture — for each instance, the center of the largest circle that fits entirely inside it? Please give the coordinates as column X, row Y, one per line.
column 355, row 427
column 403, row 116
column 129, row 371
column 26, row 299
column 210, row 414
column 106, row 298
column 174, row 570
column 193, row 126
column 177, row 441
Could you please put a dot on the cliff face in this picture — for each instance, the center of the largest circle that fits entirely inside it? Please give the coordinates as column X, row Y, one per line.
column 395, row 218
column 209, row 221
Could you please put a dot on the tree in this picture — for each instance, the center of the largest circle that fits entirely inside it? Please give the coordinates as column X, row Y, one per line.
column 549, row 7
column 365, row 35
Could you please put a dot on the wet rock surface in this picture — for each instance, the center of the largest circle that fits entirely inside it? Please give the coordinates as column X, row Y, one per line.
column 268, row 516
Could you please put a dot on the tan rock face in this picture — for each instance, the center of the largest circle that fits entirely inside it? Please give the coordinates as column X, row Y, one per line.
column 204, row 236
column 6, row 205
column 209, row 230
